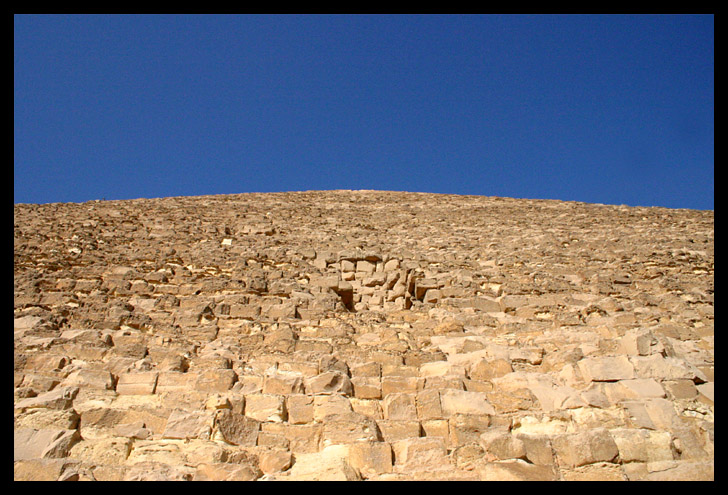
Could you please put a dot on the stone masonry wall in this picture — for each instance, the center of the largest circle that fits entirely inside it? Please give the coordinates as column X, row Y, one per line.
column 362, row 335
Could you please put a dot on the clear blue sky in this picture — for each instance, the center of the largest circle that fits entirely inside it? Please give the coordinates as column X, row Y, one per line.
column 601, row 109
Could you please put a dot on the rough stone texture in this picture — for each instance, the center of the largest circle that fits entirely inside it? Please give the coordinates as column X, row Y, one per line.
column 346, row 335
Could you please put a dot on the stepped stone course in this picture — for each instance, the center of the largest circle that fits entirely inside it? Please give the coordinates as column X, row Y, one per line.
column 362, row 335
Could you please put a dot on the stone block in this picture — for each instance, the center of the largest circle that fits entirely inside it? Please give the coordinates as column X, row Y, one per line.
column 329, row 382
column 331, row 464
column 367, row 387
column 224, row 471
column 349, row 428
column 299, row 408
column 395, row 430
column 265, row 407
column 517, row 470
column 428, row 405
column 464, row 402
column 215, row 380
column 192, row 424
column 416, row 454
column 638, row 445
column 30, row 443
column 142, row 383
column 237, row 429
column 371, row 458
column 282, row 383
column 606, row 368
column 94, row 379
column 588, row 447
column 399, row 406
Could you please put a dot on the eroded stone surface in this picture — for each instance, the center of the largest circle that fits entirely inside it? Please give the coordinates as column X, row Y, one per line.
column 347, row 335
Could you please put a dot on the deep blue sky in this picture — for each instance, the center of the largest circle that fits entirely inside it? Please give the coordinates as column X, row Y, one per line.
column 601, row 109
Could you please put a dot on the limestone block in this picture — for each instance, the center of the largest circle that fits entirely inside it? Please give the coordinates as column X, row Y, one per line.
column 371, row 458
column 395, row 430
column 59, row 398
column 215, row 380
column 330, row 405
column 331, row 464
column 538, row 449
column 671, row 471
column 365, row 266
column 349, row 428
column 175, row 381
column 329, row 382
column 652, row 414
column 638, row 445
column 30, row 443
column 107, row 451
column 366, row 387
column 707, row 390
column 414, row 454
column 464, row 402
column 399, row 406
column 41, row 418
column 599, row 471
column 516, row 470
column 237, row 429
column 95, row 379
column 606, row 369
column 301, row 438
column 282, row 383
column 142, row 383
column 404, row 384
column 466, row 428
column 226, row 472
column 150, row 470
column 486, row 304
column 639, row 388
column 299, row 408
column 680, row 389
column 265, row 407
column 428, row 405
column 368, row 407
column 666, row 368
column 485, row 369
column 41, row 469
column 136, row 429
column 439, row 428
column 193, row 424
column 275, row 460
column 588, row 447
column 500, row 444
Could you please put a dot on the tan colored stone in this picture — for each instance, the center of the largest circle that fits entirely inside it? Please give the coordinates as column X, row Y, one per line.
column 371, row 458
column 142, row 383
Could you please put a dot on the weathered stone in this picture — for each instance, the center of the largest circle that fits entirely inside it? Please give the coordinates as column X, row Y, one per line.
column 606, row 369
column 226, row 472
column 229, row 337
column 236, row 428
column 399, row 407
column 463, row 402
column 331, row 464
column 417, row 454
column 636, row 445
column 578, row 449
column 30, row 443
column 370, row 458
column 137, row 383
column 329, row 382
column 182, row 424
column 516, row 470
